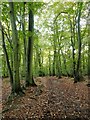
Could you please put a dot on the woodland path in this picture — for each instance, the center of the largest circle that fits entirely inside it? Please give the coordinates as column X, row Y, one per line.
column 68, row 99
column 60, row 99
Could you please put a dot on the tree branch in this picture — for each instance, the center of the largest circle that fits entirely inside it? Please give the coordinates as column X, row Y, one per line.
column 58, row 15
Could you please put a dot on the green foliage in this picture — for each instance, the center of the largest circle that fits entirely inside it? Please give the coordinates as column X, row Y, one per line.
column 48, row 35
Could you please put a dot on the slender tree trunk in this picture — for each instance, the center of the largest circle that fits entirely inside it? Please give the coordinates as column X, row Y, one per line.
column 49, row 63
column 35, row 65
column 37, row 61
column 88, row 44
column 54, row 56
column 64, row 60
column 59, row 64
column 29, row 76
column 73, row 45
column 54, row 62
column 7, row 58
column 16, row 82
column 3, row 66
column 89, row 57
column 83, row 61
column 58, row 60
column 77, row 76
column 24, row 38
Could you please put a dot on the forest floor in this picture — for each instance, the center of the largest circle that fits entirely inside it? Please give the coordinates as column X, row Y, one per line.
column 51, row 99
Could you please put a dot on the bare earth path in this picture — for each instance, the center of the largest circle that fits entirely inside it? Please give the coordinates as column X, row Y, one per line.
column 61, row 99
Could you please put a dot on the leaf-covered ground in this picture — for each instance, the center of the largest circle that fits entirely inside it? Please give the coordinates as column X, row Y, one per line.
column 52, row 99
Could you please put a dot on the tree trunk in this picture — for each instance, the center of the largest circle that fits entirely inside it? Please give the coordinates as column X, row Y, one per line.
column 36, row 60
column 58, row 60
column 73, row 45
column 7, row 58
column 29, row 76
column 77, row 75
column 54, row 56
column 24, row 38
column 54, row 62
column 49, row 63
column 64, row 61
column 16, row 82
column 59, row 64
column 89, row 45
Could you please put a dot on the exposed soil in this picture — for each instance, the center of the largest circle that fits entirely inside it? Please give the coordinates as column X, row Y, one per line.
column 53, row 98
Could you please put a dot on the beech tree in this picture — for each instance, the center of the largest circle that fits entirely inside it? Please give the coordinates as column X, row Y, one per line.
column 29, row 74
column 77, row 74
column 6, row 56
column 88, row 44
column 16, row 82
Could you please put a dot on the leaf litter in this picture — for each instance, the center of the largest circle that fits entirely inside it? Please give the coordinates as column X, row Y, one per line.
column 51, row 99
